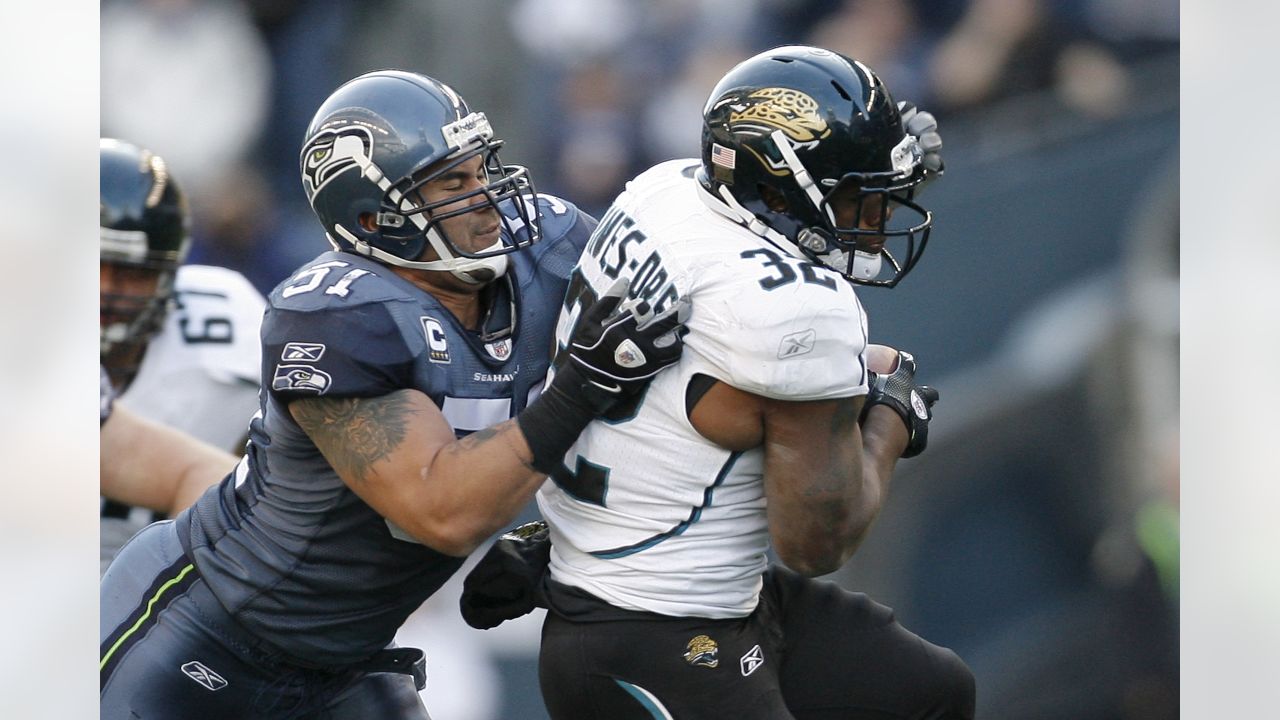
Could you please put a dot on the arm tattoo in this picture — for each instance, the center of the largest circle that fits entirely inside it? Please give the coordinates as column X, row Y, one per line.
column 354, row 433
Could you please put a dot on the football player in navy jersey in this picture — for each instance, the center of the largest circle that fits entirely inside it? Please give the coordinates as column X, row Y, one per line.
column 401, row 423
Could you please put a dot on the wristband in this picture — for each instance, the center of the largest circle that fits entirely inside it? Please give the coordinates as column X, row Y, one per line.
column 555, row 420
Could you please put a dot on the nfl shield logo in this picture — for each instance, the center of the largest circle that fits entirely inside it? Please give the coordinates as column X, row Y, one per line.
column 500, row 350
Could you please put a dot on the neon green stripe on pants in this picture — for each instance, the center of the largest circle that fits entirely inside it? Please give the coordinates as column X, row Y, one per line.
column 150, row 604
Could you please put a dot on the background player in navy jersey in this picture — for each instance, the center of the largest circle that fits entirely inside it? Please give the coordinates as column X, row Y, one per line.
column 400, row 423
column 778, row 430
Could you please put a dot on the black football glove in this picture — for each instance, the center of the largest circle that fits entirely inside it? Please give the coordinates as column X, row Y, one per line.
column 615, row 349
column 913, row 403
column 618, row 346
column 504, row 584
column 924, row 127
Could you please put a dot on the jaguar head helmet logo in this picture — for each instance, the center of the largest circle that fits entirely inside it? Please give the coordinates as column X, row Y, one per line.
column 763, row 111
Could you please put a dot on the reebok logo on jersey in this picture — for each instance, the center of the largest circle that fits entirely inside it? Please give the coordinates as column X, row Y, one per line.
column 305, row 352
column 751, row 661
column 437, row 341
column 201, row 673
column 300, row 377
column 797, row 343
column 702, row 651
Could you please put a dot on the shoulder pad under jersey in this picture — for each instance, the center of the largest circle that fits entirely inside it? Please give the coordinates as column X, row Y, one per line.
column 331, row 331
column 565, row 231
column 799, row 340
column 339, row 279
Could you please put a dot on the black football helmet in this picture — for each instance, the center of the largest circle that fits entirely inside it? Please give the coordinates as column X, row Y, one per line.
column 145, row 230
column 789, row 130
column 364, row 154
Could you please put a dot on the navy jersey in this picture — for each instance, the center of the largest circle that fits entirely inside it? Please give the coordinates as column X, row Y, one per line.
column 289, row 550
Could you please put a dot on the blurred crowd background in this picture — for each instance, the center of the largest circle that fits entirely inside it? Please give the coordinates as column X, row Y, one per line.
column 586, row 92
column 1039, row 536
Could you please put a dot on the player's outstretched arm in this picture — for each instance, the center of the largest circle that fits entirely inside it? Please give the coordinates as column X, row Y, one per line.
column 398, row 453
column 154, row 466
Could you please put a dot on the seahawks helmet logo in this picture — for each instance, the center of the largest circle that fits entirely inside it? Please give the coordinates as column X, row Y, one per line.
column 334, row 151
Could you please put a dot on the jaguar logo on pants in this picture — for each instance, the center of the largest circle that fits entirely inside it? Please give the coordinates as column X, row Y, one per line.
column 702, row 651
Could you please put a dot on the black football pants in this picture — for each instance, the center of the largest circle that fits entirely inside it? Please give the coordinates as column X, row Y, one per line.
column 810, row 651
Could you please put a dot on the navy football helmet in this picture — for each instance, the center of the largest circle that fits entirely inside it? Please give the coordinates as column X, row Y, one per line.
column 145, row 235
column 789, row 131
column 367, row 152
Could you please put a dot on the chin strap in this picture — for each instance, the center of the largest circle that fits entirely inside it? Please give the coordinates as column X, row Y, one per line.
column 801, row 173
column 865, row 265
column 476, row 271
column 726, row 205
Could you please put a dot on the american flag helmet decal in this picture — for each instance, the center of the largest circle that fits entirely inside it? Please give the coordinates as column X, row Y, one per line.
column 723, row 156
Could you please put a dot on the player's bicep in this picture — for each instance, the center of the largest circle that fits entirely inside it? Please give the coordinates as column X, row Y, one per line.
column 379, row 446
column 723, row 414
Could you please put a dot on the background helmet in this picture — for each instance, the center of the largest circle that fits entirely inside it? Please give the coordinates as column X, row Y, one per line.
column 364, row 154
column 804, row 123
column 145, row 227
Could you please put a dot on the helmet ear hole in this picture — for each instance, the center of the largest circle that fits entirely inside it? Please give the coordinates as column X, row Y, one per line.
column 368, row 221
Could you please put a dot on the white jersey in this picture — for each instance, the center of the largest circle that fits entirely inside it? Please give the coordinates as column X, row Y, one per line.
column 650, row 515
column 200, row 372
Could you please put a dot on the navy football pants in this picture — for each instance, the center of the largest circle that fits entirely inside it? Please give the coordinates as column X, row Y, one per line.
column 169, row 650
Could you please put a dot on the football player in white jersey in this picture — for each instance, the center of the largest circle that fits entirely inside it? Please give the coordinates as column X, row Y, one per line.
column 179, row 342
column 771, row 433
